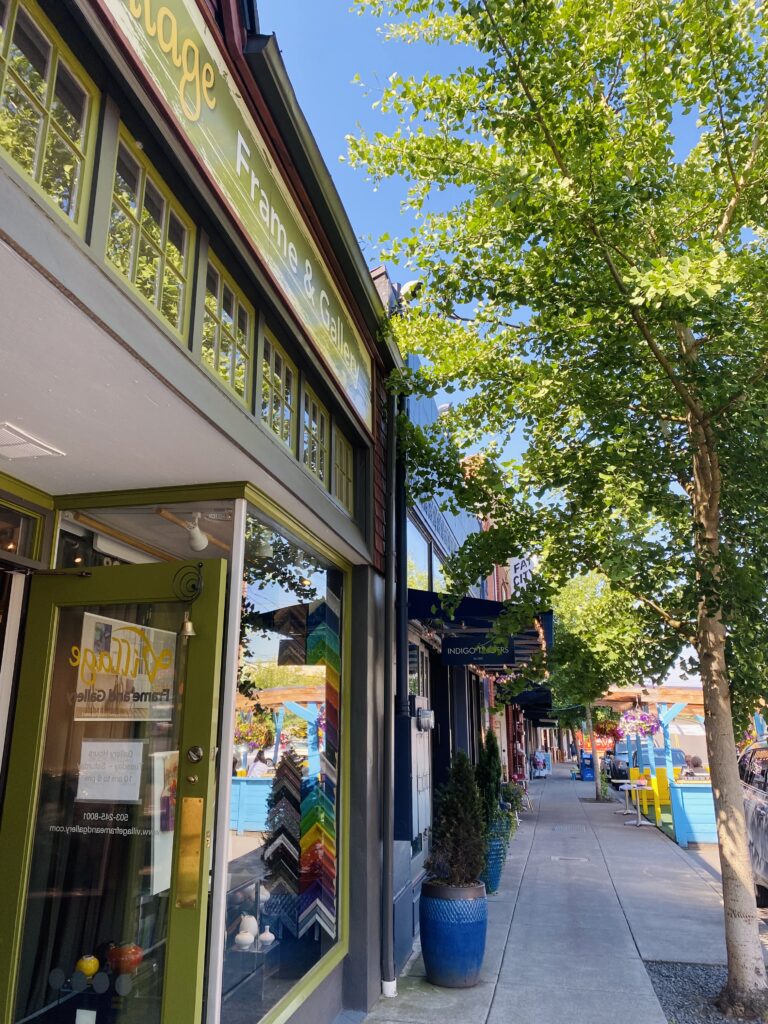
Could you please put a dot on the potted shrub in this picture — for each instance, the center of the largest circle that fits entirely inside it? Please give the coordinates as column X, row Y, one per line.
column 453, row 914
column 497, row 823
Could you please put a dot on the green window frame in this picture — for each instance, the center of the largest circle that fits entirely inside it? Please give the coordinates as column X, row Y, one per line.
column 343, row 471
column 150, row 238
column 316, row 437
column 48, row 109
column 228, row 326
column 21, row 529
column 279, row 388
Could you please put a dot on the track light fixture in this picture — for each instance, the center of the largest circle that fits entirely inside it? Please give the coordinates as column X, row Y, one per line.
column 198, row 540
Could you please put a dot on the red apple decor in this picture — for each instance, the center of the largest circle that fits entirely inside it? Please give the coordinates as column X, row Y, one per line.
column 125, row 959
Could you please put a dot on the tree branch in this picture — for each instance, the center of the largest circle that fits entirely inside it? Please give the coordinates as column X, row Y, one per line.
column 678, row 625
column 720, row 111
column 739, row 185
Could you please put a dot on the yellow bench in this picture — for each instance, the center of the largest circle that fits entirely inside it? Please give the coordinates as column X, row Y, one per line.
column 656, row 791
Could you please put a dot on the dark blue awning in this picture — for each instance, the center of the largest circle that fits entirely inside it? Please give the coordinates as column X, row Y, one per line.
column 477, row 614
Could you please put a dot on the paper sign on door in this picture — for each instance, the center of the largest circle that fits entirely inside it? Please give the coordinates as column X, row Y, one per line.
column 125, row 672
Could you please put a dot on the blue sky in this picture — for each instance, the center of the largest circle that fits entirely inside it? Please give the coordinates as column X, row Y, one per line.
column 324, row 46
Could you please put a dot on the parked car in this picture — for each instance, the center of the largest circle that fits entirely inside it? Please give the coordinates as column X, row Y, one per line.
column 753, row 772
column 615, row 762
column 678, row 757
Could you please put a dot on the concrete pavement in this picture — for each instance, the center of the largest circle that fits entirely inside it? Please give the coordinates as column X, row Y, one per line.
column 584, row 900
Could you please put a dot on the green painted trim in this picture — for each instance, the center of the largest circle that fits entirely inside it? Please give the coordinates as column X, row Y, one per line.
column 282, row 518
column 184, row 982
column 202, row 492
column 304, row 988
column 26, row 491
column 226, row 278
column 127, row 584
column 309, row 394
column 173, row 206
column 267, row 336
column 88, row 152
column 152, row 496
column 39, row 523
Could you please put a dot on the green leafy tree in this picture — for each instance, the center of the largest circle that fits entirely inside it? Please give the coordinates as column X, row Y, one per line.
column 603, row 638
column 457, row 855
column 596, row 283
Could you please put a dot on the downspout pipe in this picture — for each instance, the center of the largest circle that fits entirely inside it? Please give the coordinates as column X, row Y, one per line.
column 402, row 705
column 388, row 974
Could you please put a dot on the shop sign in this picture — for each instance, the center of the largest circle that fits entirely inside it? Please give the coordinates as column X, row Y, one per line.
column 124, row 672
column 462, row 650
column 176, row 49
column 110, row 772
column 520, row 573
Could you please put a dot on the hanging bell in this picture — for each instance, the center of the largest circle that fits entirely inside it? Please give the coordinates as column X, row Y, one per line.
column 187, row 629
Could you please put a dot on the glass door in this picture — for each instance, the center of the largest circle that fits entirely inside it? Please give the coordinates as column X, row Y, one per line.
column 105, row 836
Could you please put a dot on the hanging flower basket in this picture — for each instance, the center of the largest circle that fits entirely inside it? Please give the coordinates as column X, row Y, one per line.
column 606, row 729
column 637, row 723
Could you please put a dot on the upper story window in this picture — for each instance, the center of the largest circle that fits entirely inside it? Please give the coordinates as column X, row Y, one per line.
column 47, row 108
column 278, row 393
column 343, row 472
column 227, row 330
column 315, row 439
column 418, row 558
column 150, row 237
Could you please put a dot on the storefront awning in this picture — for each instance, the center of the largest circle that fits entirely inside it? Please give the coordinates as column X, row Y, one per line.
column 476, row 615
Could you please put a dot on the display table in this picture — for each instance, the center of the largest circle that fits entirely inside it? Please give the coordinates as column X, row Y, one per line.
column 635, row 787
column 252, row 966
column 624, row 787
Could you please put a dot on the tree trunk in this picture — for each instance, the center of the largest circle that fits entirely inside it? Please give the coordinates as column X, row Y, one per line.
column 595, row 758
column 745, row 992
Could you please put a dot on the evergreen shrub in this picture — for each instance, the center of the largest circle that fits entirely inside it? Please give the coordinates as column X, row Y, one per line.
column 458, row 834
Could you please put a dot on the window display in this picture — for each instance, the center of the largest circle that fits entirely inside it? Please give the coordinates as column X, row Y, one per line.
column 282, row 891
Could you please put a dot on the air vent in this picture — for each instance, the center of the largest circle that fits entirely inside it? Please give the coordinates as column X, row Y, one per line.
column 16, row 444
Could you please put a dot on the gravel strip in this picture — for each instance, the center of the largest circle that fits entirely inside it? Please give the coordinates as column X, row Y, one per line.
column 686, row 992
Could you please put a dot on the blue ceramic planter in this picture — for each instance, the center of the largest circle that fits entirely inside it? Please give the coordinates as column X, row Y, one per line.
column 453, row 922
column 495, row 855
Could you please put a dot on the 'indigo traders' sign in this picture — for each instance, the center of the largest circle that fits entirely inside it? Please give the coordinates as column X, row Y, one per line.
column 176, row 49
column 473, row 650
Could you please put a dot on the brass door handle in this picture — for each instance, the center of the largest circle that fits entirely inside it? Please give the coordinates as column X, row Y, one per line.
column 190, row 852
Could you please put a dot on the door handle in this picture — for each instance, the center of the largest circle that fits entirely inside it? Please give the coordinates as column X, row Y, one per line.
column 190, row 851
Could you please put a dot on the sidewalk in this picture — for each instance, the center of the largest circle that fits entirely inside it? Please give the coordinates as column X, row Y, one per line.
column 584, row 900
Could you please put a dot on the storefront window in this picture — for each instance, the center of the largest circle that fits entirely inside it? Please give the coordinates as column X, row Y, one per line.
column 227, row 330
column 149, row 235
column 343, row 472
column 278, row 393
column 18, row 532
column 282, row 891
column 418, row 559
column 47, row 103
column 438, row 576
column 418, row 670
column 315, row 437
